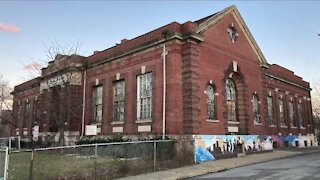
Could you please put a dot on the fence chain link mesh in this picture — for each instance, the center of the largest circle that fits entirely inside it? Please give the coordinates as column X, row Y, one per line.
column 2, row 163
column 97, row 161
column 11, row 142
column 19, row 165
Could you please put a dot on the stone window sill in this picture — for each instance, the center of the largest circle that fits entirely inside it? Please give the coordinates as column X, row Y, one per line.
column 117, row 122
column 144, row 121
column 233, row 122
column 293, row 127
column 257, row 124
column 284, row 126
column 272, row 126
column 96, row 123
column 213, row 120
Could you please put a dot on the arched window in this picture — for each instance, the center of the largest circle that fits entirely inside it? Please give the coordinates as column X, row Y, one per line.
column 255, row 108
column 210, row 91
column 231, row 99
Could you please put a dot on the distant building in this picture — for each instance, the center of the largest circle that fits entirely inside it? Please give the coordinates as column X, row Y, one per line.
column 217, row 81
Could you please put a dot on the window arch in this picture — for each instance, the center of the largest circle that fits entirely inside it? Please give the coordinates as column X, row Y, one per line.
column 231, row 99
column 211, row 108
column 255, row 109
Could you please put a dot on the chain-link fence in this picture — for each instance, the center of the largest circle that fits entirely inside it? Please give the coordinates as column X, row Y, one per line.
column 13, row 142
column 98, row 161
column 3, row 163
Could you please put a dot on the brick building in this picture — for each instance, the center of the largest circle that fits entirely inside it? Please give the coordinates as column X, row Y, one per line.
column 203, row 77
column 53, row 101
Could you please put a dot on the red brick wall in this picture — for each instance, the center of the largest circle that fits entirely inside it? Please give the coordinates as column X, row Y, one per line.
column 20, row 98
column 129, row 68
column 217, row 53
column 278, row 88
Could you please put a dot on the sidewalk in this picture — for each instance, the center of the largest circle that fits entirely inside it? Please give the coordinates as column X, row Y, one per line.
column 221, row 165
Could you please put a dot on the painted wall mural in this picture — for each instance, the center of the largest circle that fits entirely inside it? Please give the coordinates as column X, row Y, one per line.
column 211, row 147
column 294, row 141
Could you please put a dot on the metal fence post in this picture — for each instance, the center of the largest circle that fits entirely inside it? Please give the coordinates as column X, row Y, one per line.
column 6, row 164
column 95, row 161
column 154, row 156
column 19, row 143
column 31, row 165
column 10, row 142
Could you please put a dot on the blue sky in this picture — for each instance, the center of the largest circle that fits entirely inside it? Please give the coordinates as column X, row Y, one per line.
column 286, row 31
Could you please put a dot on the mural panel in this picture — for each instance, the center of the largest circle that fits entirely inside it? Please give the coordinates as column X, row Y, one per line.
column 211, row 147
column 294, row 141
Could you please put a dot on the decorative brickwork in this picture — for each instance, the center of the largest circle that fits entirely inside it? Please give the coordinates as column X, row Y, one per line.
column 190, row 92
column 241, row 99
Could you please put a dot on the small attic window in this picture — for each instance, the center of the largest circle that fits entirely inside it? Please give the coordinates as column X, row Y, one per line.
column 232, row 32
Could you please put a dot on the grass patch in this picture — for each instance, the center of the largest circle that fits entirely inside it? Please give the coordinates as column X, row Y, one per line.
column 51, row 166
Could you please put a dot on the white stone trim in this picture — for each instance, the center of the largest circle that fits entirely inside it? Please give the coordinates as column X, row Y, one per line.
column 233, row 122
column 144, row 121
column 117, row 129
column 117, row 122
column 212, row 120
column 144, row 128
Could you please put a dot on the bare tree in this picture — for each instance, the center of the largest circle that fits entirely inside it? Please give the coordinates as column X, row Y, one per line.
column 56, row 48
column 34, row 66
column 6, row 115
column 61, row 102
column 61, row 78
column 316, row 108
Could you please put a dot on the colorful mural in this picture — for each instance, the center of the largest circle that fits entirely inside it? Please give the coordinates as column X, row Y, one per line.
column 211, row 147
column 294, row 141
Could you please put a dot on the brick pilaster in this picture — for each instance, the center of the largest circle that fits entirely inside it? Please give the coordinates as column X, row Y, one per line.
column 190, row 88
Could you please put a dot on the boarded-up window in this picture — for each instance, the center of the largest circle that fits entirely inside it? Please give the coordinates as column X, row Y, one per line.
column 118, row 100
column 98, row 93
column 144, row 96
column 270, row 111
column 210, row 91
column 231, row 100
column 291, row 114
column 281, row 113
column 255, row 109
column 300, row 120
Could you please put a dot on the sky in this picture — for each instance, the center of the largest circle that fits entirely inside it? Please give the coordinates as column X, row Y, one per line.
column 286, row 31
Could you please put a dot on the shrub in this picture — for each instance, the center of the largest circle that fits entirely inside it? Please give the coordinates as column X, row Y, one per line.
column 103, row 140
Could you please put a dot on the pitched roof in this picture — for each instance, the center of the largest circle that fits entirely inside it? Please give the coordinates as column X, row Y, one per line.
column 209, row 21
column 196, row 27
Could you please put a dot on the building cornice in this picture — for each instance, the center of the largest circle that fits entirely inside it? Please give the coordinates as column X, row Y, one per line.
column 62, row 70
column 287, row 81
column 190, row 36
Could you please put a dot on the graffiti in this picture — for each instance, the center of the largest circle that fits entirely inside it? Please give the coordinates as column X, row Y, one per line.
column 211, row 147
column 293, row 141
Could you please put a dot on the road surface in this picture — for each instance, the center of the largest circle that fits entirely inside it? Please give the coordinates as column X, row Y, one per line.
column 299, row 167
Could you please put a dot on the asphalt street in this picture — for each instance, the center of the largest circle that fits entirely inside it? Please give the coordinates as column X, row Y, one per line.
column 299, row 167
